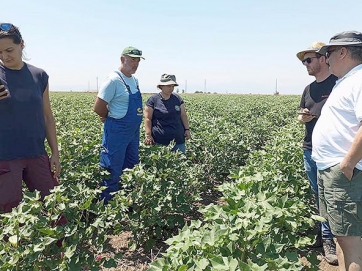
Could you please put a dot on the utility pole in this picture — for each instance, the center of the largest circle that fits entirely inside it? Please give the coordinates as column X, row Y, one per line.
column 205, row 86
column 276, row 87
column 186, row 86
column 97, row 82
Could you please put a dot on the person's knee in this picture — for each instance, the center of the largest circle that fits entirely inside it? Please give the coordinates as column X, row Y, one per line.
column 350, row 243
column 341, row 240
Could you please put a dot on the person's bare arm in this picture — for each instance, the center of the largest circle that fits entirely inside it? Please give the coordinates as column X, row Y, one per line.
column 51, row 133
column 100, row 107
column 185, row 121
column 148, row 113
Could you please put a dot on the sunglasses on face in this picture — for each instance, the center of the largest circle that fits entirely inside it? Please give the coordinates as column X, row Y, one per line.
column 5, row 26
column 328, row 53
column 308, row 60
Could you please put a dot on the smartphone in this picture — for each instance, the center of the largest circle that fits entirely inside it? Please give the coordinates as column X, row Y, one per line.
column 2, row 89
column 306, row 114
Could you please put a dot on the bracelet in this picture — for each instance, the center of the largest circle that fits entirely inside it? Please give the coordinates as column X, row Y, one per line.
column 187, row 129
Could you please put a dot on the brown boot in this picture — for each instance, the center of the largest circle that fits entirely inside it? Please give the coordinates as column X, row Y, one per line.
column 329, row 248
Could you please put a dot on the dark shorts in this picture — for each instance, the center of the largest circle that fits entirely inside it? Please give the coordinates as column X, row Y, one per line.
column 340, row 200
column 36, row 174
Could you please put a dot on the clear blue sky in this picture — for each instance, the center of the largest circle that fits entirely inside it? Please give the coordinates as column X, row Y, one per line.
column 236, row 46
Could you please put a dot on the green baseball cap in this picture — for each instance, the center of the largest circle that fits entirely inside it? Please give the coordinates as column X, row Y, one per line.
column 132, row 52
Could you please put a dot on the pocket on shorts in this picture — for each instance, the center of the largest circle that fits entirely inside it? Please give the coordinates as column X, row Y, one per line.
column 4, row 167
column 338, row 174
column 346, row 195
column 345, row 189
column 357, row 174
column 347, row 212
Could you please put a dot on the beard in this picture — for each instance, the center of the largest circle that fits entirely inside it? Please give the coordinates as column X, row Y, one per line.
column 315, row 70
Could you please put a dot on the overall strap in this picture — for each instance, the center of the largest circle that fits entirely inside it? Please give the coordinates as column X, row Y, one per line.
column 124, row 82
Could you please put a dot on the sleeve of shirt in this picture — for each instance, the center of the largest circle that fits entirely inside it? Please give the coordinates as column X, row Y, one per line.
column 357, row 96
column 107, row 90
column 181, row 101
column 151, row 102
column 44, row 80
column 302, row 101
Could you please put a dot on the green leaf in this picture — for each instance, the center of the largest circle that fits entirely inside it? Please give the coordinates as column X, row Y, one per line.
column 13, row 240
column 318, row 218
column 158, row 265
column 202, row 264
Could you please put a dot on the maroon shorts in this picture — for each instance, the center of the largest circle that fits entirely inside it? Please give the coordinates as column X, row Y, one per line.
column 36, row 174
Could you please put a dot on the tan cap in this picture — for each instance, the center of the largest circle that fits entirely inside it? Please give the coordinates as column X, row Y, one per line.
column 313, row 48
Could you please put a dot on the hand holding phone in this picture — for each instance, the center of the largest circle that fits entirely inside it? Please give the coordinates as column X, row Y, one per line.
column 306, row 114
column 3, row 92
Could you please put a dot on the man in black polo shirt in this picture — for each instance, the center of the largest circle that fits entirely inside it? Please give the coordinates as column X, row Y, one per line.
column 312, row 101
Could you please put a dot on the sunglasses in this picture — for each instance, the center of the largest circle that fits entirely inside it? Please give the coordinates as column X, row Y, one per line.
column 135, row 52
column 328, row 53
column 5, row 26
column 308, row 60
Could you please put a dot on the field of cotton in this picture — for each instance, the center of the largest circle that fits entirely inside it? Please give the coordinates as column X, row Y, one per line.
column 238, row 199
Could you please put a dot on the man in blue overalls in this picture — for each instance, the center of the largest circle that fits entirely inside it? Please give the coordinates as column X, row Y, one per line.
column 119, row 106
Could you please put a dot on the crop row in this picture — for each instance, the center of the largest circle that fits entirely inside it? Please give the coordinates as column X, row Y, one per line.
column 247, row 147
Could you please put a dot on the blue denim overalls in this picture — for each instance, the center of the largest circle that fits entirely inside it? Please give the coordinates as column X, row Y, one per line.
column 120, row 143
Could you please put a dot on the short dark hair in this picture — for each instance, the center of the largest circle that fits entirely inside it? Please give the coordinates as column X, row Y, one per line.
column 13, row 33
column 356, row 52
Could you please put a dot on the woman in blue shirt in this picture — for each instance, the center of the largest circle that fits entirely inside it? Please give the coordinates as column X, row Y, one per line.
column 165, row 116
column 26, row 121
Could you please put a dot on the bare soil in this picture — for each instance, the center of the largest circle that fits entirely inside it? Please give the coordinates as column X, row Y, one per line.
column 139, row 259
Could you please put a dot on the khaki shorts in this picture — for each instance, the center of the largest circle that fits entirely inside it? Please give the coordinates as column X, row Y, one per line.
column 340, row 200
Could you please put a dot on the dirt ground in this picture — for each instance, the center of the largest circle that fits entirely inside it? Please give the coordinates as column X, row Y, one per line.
column 136, row 260
column 139, row 260
column 323, row 265
column 327, row 267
